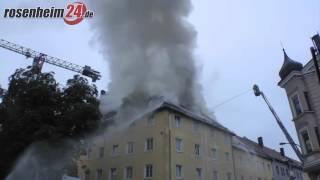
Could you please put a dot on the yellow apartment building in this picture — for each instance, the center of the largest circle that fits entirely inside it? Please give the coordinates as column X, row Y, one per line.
column 172, row 143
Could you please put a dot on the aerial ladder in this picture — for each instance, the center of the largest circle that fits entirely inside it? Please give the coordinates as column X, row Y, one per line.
column 258, row 92
column 40, row 58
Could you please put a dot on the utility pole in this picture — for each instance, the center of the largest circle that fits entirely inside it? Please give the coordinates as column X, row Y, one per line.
column 257, row 92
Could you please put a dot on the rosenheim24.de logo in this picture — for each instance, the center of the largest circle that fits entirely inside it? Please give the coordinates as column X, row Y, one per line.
column 73, row 14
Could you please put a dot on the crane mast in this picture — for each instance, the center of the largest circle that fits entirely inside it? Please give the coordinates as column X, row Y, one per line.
column 40, row 58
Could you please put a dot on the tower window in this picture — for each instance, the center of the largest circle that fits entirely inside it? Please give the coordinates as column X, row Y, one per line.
column 296, row 104
column 306, row 96
column 306, row 141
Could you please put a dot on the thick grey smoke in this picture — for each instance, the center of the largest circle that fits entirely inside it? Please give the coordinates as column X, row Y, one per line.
column 149, row 45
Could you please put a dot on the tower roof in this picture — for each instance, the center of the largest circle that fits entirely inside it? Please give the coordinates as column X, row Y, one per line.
column 288, row 66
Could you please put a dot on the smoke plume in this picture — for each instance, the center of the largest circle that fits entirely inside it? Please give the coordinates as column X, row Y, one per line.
column 149, row 46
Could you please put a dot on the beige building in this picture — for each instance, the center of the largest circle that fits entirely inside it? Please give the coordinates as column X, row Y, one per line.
column 169, row 143
column 301, row 84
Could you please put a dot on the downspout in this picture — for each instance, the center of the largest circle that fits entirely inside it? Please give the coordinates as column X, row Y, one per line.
column 233, row 161
column 170, row 170
column 315, row 62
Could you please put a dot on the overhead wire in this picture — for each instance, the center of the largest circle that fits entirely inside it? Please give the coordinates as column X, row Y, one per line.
column 232, row 98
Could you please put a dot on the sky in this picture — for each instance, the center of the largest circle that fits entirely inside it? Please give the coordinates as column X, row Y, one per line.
column 238, row 45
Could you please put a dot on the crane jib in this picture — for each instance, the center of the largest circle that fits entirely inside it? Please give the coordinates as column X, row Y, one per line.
column 29, row 53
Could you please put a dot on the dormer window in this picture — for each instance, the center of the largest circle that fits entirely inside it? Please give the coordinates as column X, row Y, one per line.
column 296, row 105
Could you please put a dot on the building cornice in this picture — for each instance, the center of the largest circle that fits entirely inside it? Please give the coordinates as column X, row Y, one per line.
column 284, row 81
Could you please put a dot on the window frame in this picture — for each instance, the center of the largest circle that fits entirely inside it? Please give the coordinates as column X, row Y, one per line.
column 302, row 139
column 146, row 145
column 181, row 144
column 181, row 171
column 197, row 150
column 146, row 173
column 115, row 149
column 126, row 172
column 293, row 108
column 111, row 173
column 199, row 173
column 99, row 174
column 177, row 121
column 128, row 147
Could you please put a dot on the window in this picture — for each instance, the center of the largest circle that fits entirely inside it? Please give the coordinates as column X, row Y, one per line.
column 199, row 173
column 269, row 167
column 287, row 171
column 115, row 148
column 306, row 96
column 148, row 144
column 277, row 169
column 306, row 140
column 282, row 171
column 227, row 156
column 99, row 174
column 215, row 175
column 177, row 121
column 113, row 174
column 179, row 171
column 228, row 176
column 195, row 126
column 148, row 171
column 150, row 121
column 242, row 178
column 296, row 104
column 178, row 145
column 101, row 152
column 87, row 175
column 129, row 172
column 214, row 153
column 129, row 147
column 197, row 149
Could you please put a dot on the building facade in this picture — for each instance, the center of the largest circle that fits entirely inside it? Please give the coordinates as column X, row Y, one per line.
column 173, row 143
column 301, row 84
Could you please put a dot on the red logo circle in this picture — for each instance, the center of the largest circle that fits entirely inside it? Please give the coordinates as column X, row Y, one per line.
column 75, row 13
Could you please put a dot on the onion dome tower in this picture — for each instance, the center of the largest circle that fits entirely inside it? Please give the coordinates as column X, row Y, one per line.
column 288, row 66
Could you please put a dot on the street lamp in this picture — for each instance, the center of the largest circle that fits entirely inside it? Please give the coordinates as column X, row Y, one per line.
column 284, row 143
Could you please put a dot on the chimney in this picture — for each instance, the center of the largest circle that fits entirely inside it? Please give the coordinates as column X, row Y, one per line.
column 316, row 42
column 282, row 152
column 260, row 141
